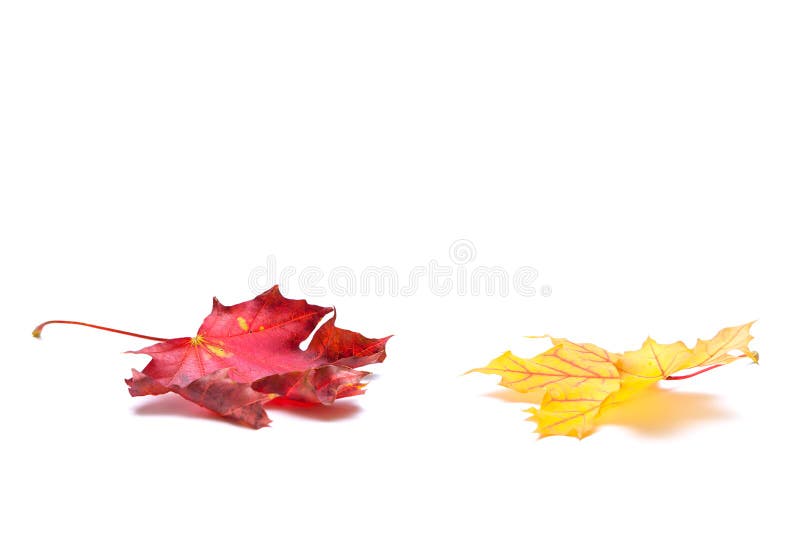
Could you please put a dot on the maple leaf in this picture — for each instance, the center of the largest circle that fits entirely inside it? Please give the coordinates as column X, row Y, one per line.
column 580, row 380
column 246, row 355
column 571, row 411
column 652, row 362
column 723, row 347
column 574, row 378
column 564, row 365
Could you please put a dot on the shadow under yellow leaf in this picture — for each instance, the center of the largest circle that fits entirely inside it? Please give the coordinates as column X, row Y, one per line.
column 654, row 412
column 659, row 412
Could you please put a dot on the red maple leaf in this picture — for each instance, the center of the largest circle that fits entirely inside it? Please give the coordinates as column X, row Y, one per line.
column 246, row 355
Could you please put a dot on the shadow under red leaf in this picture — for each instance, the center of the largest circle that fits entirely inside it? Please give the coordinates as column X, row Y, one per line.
column 174, row 405
column 340, row 410
column 171, row 404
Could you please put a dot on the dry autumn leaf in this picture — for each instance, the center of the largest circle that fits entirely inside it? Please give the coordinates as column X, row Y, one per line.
column 246, row 355
column 579, row 380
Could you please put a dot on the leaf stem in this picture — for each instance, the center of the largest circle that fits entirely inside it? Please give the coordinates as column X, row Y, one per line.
column 752, row 355
column 701, row 371
column 37, row 332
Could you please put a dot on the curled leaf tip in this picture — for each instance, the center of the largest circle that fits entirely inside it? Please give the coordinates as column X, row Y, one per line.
column 37, row 332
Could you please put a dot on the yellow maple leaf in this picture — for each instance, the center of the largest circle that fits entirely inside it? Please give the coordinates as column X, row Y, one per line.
column 579, row 380
column 571, row 411
column 575, row 379
column 720, row 348
column 591, row 351
column 562, row 365
column 652, row 362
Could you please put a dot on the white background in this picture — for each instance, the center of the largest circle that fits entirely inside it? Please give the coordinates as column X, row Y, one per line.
column 640, row 155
